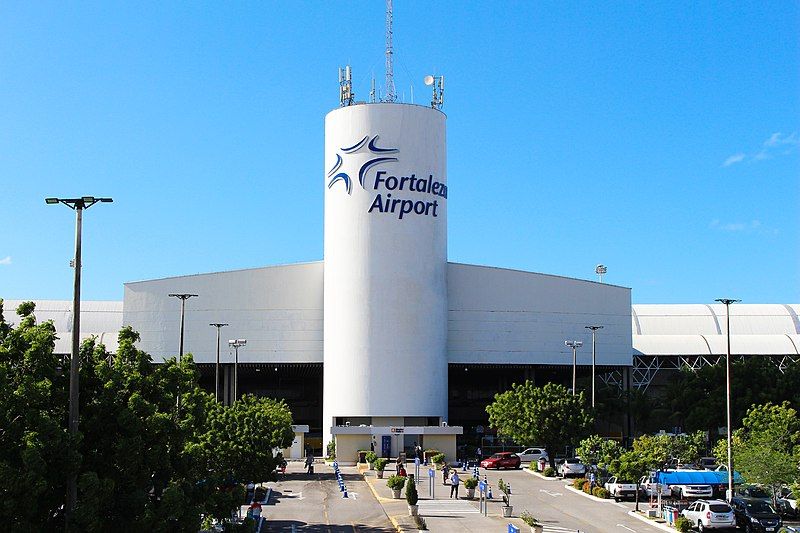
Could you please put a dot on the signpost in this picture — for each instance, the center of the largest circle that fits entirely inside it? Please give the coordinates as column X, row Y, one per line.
column 482, row 504
column 416, row 469
column 431, row 474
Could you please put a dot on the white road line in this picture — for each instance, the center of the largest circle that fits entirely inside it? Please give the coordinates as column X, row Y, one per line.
column 626, row 527
column 553, row 494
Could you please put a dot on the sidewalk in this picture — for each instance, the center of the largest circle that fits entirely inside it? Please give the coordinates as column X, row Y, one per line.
column 441, row 513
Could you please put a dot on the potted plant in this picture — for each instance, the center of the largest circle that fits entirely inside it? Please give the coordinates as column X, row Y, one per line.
column 506, row 490
column 380, row 465
column 531, row 520
column 438, row 460
column 331, row 452
column 371, row 457
column 470, row 483
column 362, row 456
column 396, row 484
column 411, row 496
column 428, row 454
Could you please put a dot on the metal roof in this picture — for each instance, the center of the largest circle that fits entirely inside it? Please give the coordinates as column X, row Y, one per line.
column 697, row 477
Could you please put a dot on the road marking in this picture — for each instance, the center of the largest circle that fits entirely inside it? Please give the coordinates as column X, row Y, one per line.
column 626, row 527
column 558, row 529
column 553, row 494
column 453, row 507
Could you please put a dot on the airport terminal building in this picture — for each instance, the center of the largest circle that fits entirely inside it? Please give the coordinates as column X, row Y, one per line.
column 385, row 341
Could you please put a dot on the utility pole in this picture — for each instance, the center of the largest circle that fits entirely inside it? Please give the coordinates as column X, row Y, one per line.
column 183, row 297
column 216, row 368
column 594, row 356
column 574, row 345
column 78, row 205
column 728, row 302
column 235, row 344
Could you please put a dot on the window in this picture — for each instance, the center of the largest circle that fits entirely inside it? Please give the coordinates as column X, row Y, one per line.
column 719, row 508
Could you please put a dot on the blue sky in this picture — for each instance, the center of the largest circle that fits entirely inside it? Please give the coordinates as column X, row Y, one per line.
column 659, row 138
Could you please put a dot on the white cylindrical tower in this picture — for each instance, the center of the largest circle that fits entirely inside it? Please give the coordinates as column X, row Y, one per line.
column 385, row 330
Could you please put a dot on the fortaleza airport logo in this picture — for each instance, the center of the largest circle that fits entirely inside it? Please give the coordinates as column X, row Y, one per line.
column 386, row 185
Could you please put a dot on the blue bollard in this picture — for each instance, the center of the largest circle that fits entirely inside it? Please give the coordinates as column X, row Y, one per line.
column 344, row 494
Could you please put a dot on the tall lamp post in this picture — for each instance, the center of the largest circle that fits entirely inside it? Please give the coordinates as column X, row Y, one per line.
column 574, row 345
column 78, row 205
column 235, row 344
column 728, row 302
column 594, row 355
column 217, row 325
column 183, row 297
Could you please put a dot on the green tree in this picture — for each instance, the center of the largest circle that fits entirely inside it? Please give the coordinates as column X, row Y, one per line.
column 631, row 466
column 548, row 415
column 35, row 447
column 595, row 449
column 766, row 449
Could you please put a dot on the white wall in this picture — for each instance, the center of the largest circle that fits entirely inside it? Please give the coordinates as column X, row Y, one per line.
column 508, row 316
column 277, row 309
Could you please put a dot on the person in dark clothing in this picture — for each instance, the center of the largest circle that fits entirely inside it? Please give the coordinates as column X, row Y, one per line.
column 310, row 463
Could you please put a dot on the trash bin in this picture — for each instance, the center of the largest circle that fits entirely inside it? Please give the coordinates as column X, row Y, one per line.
column 542, row 464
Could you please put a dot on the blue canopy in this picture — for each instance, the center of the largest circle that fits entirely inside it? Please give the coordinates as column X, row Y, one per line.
column 697, row 477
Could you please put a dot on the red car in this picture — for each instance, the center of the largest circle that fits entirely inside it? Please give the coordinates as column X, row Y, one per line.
column 502, row 460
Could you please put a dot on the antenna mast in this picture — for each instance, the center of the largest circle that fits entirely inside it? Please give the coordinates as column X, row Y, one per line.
column 390, row 94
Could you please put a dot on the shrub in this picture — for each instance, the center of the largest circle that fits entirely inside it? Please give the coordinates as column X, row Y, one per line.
column 587, row 487
column 549, row 472
column 421, row 525
column 600, row 492
column 371, row 456
column 411, row 491
column 528, row 518
column 332, row 450
column 438, row 458
column 396, row 482
column 470, row 483
column 380, row 464
column 683, row 525
column 578, row 483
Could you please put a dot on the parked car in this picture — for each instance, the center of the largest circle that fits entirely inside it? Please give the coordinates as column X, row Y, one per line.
column 754, row 492
column 649, row 486
column 755, row 515
column 620, row 489
column 692, row 491
column 571, row 467
column 710, row 514
column 502, row 460
column 787, row 503
column 532, row 455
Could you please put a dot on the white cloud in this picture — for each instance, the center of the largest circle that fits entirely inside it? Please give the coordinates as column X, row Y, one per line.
column 754, row 226
column 775, row 144
column 732, row 160
column 6, row 260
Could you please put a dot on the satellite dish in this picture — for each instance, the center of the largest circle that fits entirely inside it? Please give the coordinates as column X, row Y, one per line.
column 428, row 80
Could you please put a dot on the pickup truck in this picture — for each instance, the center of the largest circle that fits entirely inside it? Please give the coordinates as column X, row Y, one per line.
column 620, row 489
column 650, row 487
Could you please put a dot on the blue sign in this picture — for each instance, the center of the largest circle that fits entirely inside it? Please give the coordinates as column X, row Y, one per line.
column 512, row 528
column 431, row 472
column 482, row 486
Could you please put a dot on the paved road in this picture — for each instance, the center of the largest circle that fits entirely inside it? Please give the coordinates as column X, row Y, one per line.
column 314, row 503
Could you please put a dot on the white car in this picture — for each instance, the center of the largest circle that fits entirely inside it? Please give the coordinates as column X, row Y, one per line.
column 710, row 514
column 650, row 487
column 532, row 455
column 692, row 491
column 572, row 467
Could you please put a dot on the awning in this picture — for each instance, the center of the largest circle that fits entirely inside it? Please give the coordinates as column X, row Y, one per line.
column 698, row 477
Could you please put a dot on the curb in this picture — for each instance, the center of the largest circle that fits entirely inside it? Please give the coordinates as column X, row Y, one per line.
column 653, row 523
column 378, row 497
column 593, row 498
column 540, row 476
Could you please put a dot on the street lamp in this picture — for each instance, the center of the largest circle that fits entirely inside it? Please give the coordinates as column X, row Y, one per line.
column 216, row 370
column 574, row 345
column 183, row 298
column 594, row 355
column 235, row 344
column 77, row 205
column 728, row 302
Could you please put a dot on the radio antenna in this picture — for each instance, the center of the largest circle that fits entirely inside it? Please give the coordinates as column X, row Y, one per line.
column 390, row 93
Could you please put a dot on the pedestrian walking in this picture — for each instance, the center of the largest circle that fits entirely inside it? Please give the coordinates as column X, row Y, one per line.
column 592, row 481
column 310, row 464
column 478, row 453
column 454, row 481
column 399, row 464
column 445, row 473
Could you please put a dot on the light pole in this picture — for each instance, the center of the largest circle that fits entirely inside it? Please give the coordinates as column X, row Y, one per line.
column 183, row 297
column 235, row 344
column 216, row 369
column 574, row 345
column 728, row 302
column 594, row 355
column 78, row 205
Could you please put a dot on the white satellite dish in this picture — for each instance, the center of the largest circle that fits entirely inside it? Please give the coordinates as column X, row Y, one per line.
column 428, row 80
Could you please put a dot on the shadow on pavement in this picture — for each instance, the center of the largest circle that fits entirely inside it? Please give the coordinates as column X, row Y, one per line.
column 287, row 526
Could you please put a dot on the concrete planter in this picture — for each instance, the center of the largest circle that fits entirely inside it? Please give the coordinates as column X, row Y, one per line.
column 396, row 494
column 380, row 474
column 537, row 529
column 507, row 510
column 470, row 494
column 413, row 510
column 372, row 466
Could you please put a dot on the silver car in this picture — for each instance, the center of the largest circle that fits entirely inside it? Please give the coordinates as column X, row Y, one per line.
column 710, row 514
column 572, row 467
column 532, row 455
